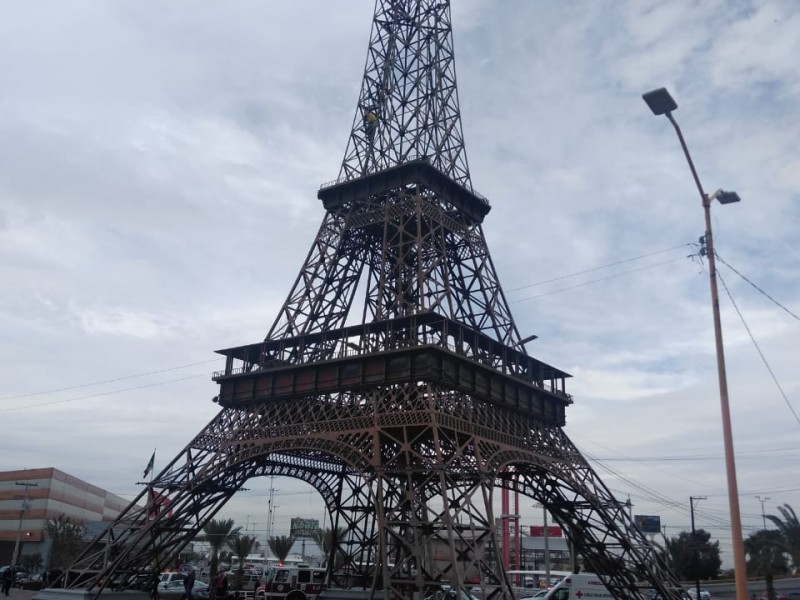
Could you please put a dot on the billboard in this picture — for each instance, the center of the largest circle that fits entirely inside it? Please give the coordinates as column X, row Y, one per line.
column 303, row 528
column 552, row 531
column 648, row 523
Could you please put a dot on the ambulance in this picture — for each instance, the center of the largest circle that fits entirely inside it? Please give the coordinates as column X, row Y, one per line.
column 579, row 586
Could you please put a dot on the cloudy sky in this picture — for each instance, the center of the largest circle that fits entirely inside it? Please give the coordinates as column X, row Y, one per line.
column 159, row 163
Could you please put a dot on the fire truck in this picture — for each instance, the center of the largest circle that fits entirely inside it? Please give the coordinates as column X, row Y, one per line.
column 291, row 582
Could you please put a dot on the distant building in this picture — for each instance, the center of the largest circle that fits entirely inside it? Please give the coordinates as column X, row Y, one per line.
column 532, row 550
column 51, row 493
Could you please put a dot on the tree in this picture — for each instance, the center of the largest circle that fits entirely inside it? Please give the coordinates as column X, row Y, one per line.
column 241, row 546
column 218, row 534
column 693, row 556
column 789, row 528
column 68, row 536
column 766, row 557
column 281, row 545
column 327, row 540
column 32, row 563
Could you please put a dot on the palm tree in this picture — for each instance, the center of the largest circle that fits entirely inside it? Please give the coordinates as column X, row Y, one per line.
column 766, row 557
column 327, row 540
column 789, row 528
column 281, row 545
column 217, row 534
column 241, row 546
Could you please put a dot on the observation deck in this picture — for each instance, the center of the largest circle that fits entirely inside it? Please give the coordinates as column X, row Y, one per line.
column 337, row 195
column 426, row 347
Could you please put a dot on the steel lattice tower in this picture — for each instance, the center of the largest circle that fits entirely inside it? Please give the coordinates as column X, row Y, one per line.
column 408, row 417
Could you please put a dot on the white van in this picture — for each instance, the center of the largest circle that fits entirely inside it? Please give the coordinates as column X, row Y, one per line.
column 579, row 586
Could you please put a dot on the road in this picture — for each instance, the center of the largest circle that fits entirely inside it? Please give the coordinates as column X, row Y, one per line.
column 789, row 587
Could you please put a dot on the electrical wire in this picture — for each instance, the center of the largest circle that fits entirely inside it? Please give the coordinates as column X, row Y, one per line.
column 601, row 267
column 577, row 285
column 85, row 385
column 765, row 453
column 99, row 394
column 135, row 376
column 720, row 259
column 758, row 349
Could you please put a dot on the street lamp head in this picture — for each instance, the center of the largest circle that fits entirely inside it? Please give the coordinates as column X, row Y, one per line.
column 660, row 102
column 724, row 197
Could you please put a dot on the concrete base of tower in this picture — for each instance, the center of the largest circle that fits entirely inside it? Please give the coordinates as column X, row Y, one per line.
column 85, row 594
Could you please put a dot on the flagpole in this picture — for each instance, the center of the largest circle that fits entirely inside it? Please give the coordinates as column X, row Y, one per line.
column 150, row 491
column 149, row 470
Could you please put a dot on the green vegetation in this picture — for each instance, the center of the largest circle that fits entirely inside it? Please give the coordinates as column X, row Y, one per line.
column 68, row 536
column 218, row 534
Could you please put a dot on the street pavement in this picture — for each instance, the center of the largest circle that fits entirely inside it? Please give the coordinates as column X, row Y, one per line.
column 18, row 594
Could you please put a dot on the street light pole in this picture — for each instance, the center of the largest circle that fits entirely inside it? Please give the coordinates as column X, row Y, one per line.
column 694, row 541
column 546, row 535
column 763, row 516
column 660, row 102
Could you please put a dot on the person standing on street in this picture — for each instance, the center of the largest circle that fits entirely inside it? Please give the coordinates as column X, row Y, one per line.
column 8, row 579
column 154, row 581
column 188, row 584
column 221, row 587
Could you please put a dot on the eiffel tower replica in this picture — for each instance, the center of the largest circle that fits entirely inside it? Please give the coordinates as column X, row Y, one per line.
column 408, row 406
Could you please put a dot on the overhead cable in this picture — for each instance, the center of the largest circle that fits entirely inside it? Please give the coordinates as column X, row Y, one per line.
column 719, row 258
column 600, row 268
column 758, row 349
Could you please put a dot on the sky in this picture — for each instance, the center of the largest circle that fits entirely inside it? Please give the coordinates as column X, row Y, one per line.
column 159, row 163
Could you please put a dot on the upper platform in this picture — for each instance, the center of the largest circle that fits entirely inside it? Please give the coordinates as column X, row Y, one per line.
column 338, row 194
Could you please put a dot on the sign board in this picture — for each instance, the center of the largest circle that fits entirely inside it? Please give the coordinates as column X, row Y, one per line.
column 303, row 528
column 552, row 531
column 648, row 523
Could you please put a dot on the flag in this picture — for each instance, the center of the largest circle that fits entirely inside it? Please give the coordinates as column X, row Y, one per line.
column 149, row 466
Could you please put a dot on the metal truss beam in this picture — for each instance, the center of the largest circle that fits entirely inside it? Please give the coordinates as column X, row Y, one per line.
column 407, row 472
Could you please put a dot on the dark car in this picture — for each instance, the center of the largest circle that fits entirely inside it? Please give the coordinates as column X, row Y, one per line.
column 34, row 582
column 19, row 577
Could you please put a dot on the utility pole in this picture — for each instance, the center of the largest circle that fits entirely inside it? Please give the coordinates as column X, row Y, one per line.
column 22, row 510
column 270, row 510
column 763, row 516
column 692, row 500
column 546, row 535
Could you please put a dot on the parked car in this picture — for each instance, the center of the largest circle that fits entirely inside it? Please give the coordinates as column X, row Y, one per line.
column 537, row 596
column 167, row 577
column 174, row 590
column 449, row 594
column 34, row 582
column 704, row 594
column 19, row 577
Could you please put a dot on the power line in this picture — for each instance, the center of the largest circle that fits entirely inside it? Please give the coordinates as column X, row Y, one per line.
column 99, row 394
column 601, row 267
column 577, row 285
column 758, row 349
column 85, row 385
column 719, row 258
column 765, row 455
